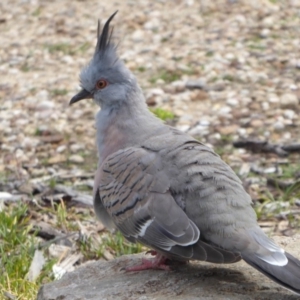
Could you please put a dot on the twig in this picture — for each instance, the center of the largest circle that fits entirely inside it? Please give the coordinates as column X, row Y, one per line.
column 266, row 147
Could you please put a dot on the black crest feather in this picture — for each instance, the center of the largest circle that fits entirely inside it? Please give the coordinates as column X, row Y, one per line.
column 104, row 37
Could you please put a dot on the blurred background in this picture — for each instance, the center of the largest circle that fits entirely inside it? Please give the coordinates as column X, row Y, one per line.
column 227, row 72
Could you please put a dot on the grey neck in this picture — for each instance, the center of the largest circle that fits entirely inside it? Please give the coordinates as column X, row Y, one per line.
column 126, row 125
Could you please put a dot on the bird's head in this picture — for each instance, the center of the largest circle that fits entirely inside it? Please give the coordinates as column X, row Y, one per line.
column 105, row 79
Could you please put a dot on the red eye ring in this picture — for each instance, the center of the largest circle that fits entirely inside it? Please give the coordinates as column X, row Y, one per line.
column 101, row 84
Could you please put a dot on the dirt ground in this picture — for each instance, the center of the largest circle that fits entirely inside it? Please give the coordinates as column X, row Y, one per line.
column 228, row 70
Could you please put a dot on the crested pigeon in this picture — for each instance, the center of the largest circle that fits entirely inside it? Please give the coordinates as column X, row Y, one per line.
column 165, row 189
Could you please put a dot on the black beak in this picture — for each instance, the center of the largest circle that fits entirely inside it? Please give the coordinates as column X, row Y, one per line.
column 83, row 94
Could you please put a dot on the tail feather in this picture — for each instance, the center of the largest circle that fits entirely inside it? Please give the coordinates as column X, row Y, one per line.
column 288, row 275
column 205, row 252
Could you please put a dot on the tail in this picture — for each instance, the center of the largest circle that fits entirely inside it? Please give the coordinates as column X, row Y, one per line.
column 268, row 258
column 287, row 275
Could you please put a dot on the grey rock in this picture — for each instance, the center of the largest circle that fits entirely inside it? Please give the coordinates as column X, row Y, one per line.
column 196, row 84
column 196, row 280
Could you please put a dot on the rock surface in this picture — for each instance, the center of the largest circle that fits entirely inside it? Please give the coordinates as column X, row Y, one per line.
column 197, row 280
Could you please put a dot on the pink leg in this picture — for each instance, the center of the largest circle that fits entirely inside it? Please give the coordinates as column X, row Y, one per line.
column 157, row 263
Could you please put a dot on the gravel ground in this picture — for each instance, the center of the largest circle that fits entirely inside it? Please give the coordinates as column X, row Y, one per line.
column 227, row 69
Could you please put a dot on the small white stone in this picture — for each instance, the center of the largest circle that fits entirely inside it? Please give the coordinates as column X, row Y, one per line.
column 273, row 98
column 67, row 59
column 76, row 158
column 265, row 33
column 160, row 81
column 289, row 100
column 61, row 148
column 138, row 35
column 278, row 126
column 241, row 19
column 44, row 105
column 224, row 110
column 293, row 87
column 76, row 147
column 183, row 128
column 204, row 123
column 216, row 136
column 19, row 153
column 289, row 114
column 287, row 135
column 232, row 101
column 152, row 24
column 29, row 142
column 157, row 91
column 42, row 95
column 268, row 21
column 5, row 196
column 242, row 131
column 265, row 106
column 229, row 56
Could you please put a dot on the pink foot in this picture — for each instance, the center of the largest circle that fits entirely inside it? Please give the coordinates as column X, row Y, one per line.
column 157, row 263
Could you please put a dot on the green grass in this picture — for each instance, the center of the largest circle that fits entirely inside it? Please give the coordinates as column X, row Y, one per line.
column 37, row 12
column 59, row 92
column 269, row 205
column 118, row 244
column 166, row 76
column 141, row 69
column 289, row 170
column 163, row 114
column 18, row 242
column 228, row 77
column 276, row 200
column 224, row 145
column 16, row 252
column 170, row 76
column 25, row 67
column 67, row 48
column 256, row 47
column 209, row 53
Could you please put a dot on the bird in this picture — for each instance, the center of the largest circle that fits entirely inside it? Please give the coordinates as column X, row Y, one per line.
column 165, row 189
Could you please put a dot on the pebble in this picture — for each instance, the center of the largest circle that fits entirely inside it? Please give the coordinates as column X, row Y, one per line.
column 179, row 86
column 278, row 126
column 289, row 101
column 44, row 105
column 265, row 105
column 273, row 98
column 195, row 84
column 256, row 123
column 42, row 96
column 138, row 35
column 224, row 110
column 68, row 59
column 152, row 24
column 265, row 33
column 232, row 101
column 76, row 159
column 61, row 148
column 76, row 147
column 268, row 21
column 199, row 130
column 290, row 114
column 261, row 92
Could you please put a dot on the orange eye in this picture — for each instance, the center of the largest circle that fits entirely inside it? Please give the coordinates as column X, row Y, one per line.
column 101, row 84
